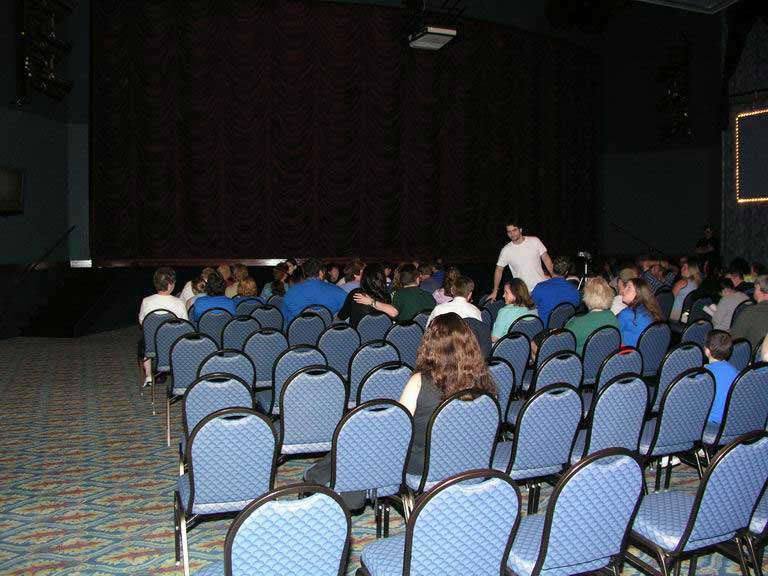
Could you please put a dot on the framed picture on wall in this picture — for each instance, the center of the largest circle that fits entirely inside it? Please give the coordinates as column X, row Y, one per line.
column 11, row 191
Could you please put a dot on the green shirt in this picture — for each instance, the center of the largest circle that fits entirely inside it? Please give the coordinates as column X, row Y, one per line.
column 410, row 301
column 505, row 316
column 752, row 324
column 583, row 326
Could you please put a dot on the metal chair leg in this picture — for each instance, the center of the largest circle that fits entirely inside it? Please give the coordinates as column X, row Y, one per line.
column 677, row 567
column 699, row 467
column 657, row 485
column 742, row 559
column 386, row 520
column 168, row 421
column 176, row 527
column 668, row 477
column 757, row 560
column 692, row 566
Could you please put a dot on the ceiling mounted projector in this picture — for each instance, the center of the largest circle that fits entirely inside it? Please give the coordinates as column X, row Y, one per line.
column 431, row 38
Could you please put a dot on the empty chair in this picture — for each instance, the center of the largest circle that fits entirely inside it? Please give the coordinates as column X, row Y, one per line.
column 560, row 315
column 305, row 329
column 406, row 337
column 666, row 299
column 275, row 300
column 237, row 331
column 212, row 322
column 599, row 345
column 365, row 359
column 238, row 441
column 529, row 325
column 338, row 342
column 503, row 376
column 681, row 358
column 321, row 311
column 515, row 348
column 625, row 361
column 675, row 524
column 421, row 318
column 577, row 535
column 373, row 326
column 269, row 316
column 652, row 344
column 166, row 334
column 740, row 354
column 385, row 381
column 247, row 305
column 149, row 327
column 464, row 526
column 263, row 348
column 555, row 342
column 290, row 361
column 697, row 332
column 229, row 361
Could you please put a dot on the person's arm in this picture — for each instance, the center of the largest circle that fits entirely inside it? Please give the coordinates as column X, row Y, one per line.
column 548, row 263
column 343, row 312
column 497, row 274
column 377, row 305
column 764, row 349
column 411, row 393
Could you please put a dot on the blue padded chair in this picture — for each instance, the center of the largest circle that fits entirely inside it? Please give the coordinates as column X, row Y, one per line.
column 373, row 326
column 166, row 334
column 599, row 345
column 587, row 522
column 515, row 348
column 406, row 337
column 555, row 342
column 560, row 315
column 465, row 525
column 757, row 535
column 421, row 318
column 237, row 331
column 247, row 305
column 263, row 348
column 739, row 309
column 461, row 436
column 275, row 300
column 212, row 323
column 625, row 361
column 544, row 436
column 338, row 342
column 746, row 408
column 321, row 311
column 312, row 403
column 674, row 525
column 492, row 307
column 529, row 324
column 269, row 316
column 666, row 301
column 149, row 327
column 369, row 452
column 280, row 535
column 229, row 361
column 187, row 354
column 679, row 427
column 305, row 329
column 486, row 317
column 230, row 460
column 741, row 354
column 503, row 376
column 652, row 345
column 697, row 332
column 290, row 361
column 384, row 382
column 682, row 357
column 365, row 359
column 615, row 419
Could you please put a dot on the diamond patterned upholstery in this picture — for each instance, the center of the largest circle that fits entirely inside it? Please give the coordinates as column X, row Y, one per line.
column 263, row 348
column 406, row 337
column 338, row 342
column 212, row 323
column 561, row 368
column 305, row 329
column 626, row 361
column 515, row 348
column 237, row 331
column 504, row 377
column 556, row 341
column 560, row 315
column 269, row 315
column 421, row 319
column 681, row 358
column 697, row 332
column 529, row 325
column 653, row 344
column 366, row 358
column 599, row 345
column 287, row 364
column 229, row 362
column 165, row 336
column 149, row 327
column 385, row 556
column 486, row 317
column 187, row 354
column 493, row 308
column 373, row 326
column 247, row 305
column 740, row 353
column 760, row 518
column 385, row 382
column 321, row 311
column 210, row 394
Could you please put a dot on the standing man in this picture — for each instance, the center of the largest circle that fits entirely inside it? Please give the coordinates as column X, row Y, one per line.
column 523, row 255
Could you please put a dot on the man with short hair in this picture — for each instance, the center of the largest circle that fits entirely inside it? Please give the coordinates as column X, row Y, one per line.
column 557, row 290
column 312, row 290
column 353, row 271
column 752, row 323
column 214, row 297
column 524, row 256
column 717, row 349
column 410, row 300
column 735, row 274
column 462, row 293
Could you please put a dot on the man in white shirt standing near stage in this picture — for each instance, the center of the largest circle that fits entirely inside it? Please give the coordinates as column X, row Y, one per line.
column 524, row 256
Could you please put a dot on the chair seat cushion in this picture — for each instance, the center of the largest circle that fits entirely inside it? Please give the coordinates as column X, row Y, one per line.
column 413, row 481
column 662, row 517
column 647, row 436
column 501, row 461
column 384, row 557
column 514, row 410
column 578, row 446
column 586, row 400
column 208, row 508
column 527, row 378
column 710, row 433
column 760, row 517
column 264, row 398
column 502, row 455
column 525, row 549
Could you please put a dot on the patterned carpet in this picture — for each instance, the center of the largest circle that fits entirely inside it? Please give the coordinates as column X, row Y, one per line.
column 86, row 480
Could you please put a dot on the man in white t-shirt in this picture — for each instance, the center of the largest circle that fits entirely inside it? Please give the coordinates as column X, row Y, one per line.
column 524, row 256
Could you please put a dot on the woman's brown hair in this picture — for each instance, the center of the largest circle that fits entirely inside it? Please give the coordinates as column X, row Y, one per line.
column 279, row 275
column 520, row 292
column 644, row 296
column 449, row 352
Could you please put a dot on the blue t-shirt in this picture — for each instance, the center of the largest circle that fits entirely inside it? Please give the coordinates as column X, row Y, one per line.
column 552, row 292
column 204, row 303
column 725, row 373
column 632, row 323
column 312, row 291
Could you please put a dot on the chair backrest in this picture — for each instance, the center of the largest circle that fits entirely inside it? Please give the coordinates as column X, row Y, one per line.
column 697, row 310
column 617, row 414
column 504, row 376
column 560, row 315
column 653, row 344
column 166, row 334
column 682, row 357
column 729, row 491
column 231, row 457
column 689, row 299
column 465, row 525
column 366, row 358
column 385, row 381
column 625, row 361
column 482, row 332
column 599, row 345
column 247, row 305
column 237, row 330
column 538, row 444
column 187, row 354
column 461, row 435
column 529, row 324
column 741, row 354
column 269, row 316
column 263, row 348
column 338, row 342
column 486, row 316
column 212, row 322
column 562, row 368
column 229, row 361
column 370, row 447
column 150, row 325
column 515, row 348
column 746, row 406
column 290, row 361
column 305, row 329
column 666, row 300
column 211, row 393
column 590, row 513
column 739, row 309
column 373, row 326
column 697, row 332
column 492, row 307
column 406, row 337
column 274, row 537
column 275, row 300
column 421, row 319
column 321, row 311
column 555, row 342
column 683, row 412
column 312, row 403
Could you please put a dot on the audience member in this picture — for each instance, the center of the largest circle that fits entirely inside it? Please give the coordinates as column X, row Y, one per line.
column 524, row 256
column 240, row 273
column 428, row 283
column 371, row 296
column 555, row 290
column 445, row 292
column 712, row 271
column 388, row 269
column 198, row 289
column 736, row 273
column 625, row 275
column 657, row 273
column 598, row 297
column 708, row 245
column 717, row 349
column 410, row 299
column 313, row 290
column 353, row 271
column 226, row 273
column 332, row 272
column 518, row 303
column 291, row 265
column 214, row 298
column 279, row 284
column 297, row 277
column 752, row 323
column 690, row 280
column 722, row 312
column 246, row 288
column 641, row 311
column 187, row 292
column 462, row 294
column 764, row 349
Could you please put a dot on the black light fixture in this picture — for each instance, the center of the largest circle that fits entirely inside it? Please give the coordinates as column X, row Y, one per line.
column 431, row 27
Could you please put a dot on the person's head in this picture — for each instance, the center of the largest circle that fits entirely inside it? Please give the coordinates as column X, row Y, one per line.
column 463, row 287
column 215, row 285
column 690, row 271
column 291, row 265
column 726, row 286
column 332, row 272
column 638, row 293
column 299, row 275
column 198, row 285
column 708, row 231
column 246, row 287
column 514, row 230
column 561, row 266
column 388, row 269
column 373, row 282
column 449, row 352
column 451, row 275
column 409, row 276
column 353, row 270
column 718, row 345
column 425, row 271
column 598, row 294
column 761, row 288
column 207, row 272
column 240, row 272
column 313, row 268
column 225, row 270
column 164, row 280
column 625, row 275
column 280, row 272
column 516, row 292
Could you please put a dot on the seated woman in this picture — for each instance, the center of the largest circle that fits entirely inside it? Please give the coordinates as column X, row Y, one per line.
column 246, row 288
column 449, row 360
column 598, row 296
column 690, row 280
column 239, row 274
column 445, row 292
column 518, row 303
column 214, row 298
column 371, row 296
column 641, row 311
column 279, row 284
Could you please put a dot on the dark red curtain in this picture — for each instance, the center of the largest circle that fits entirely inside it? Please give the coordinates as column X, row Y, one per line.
column 270, row 129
